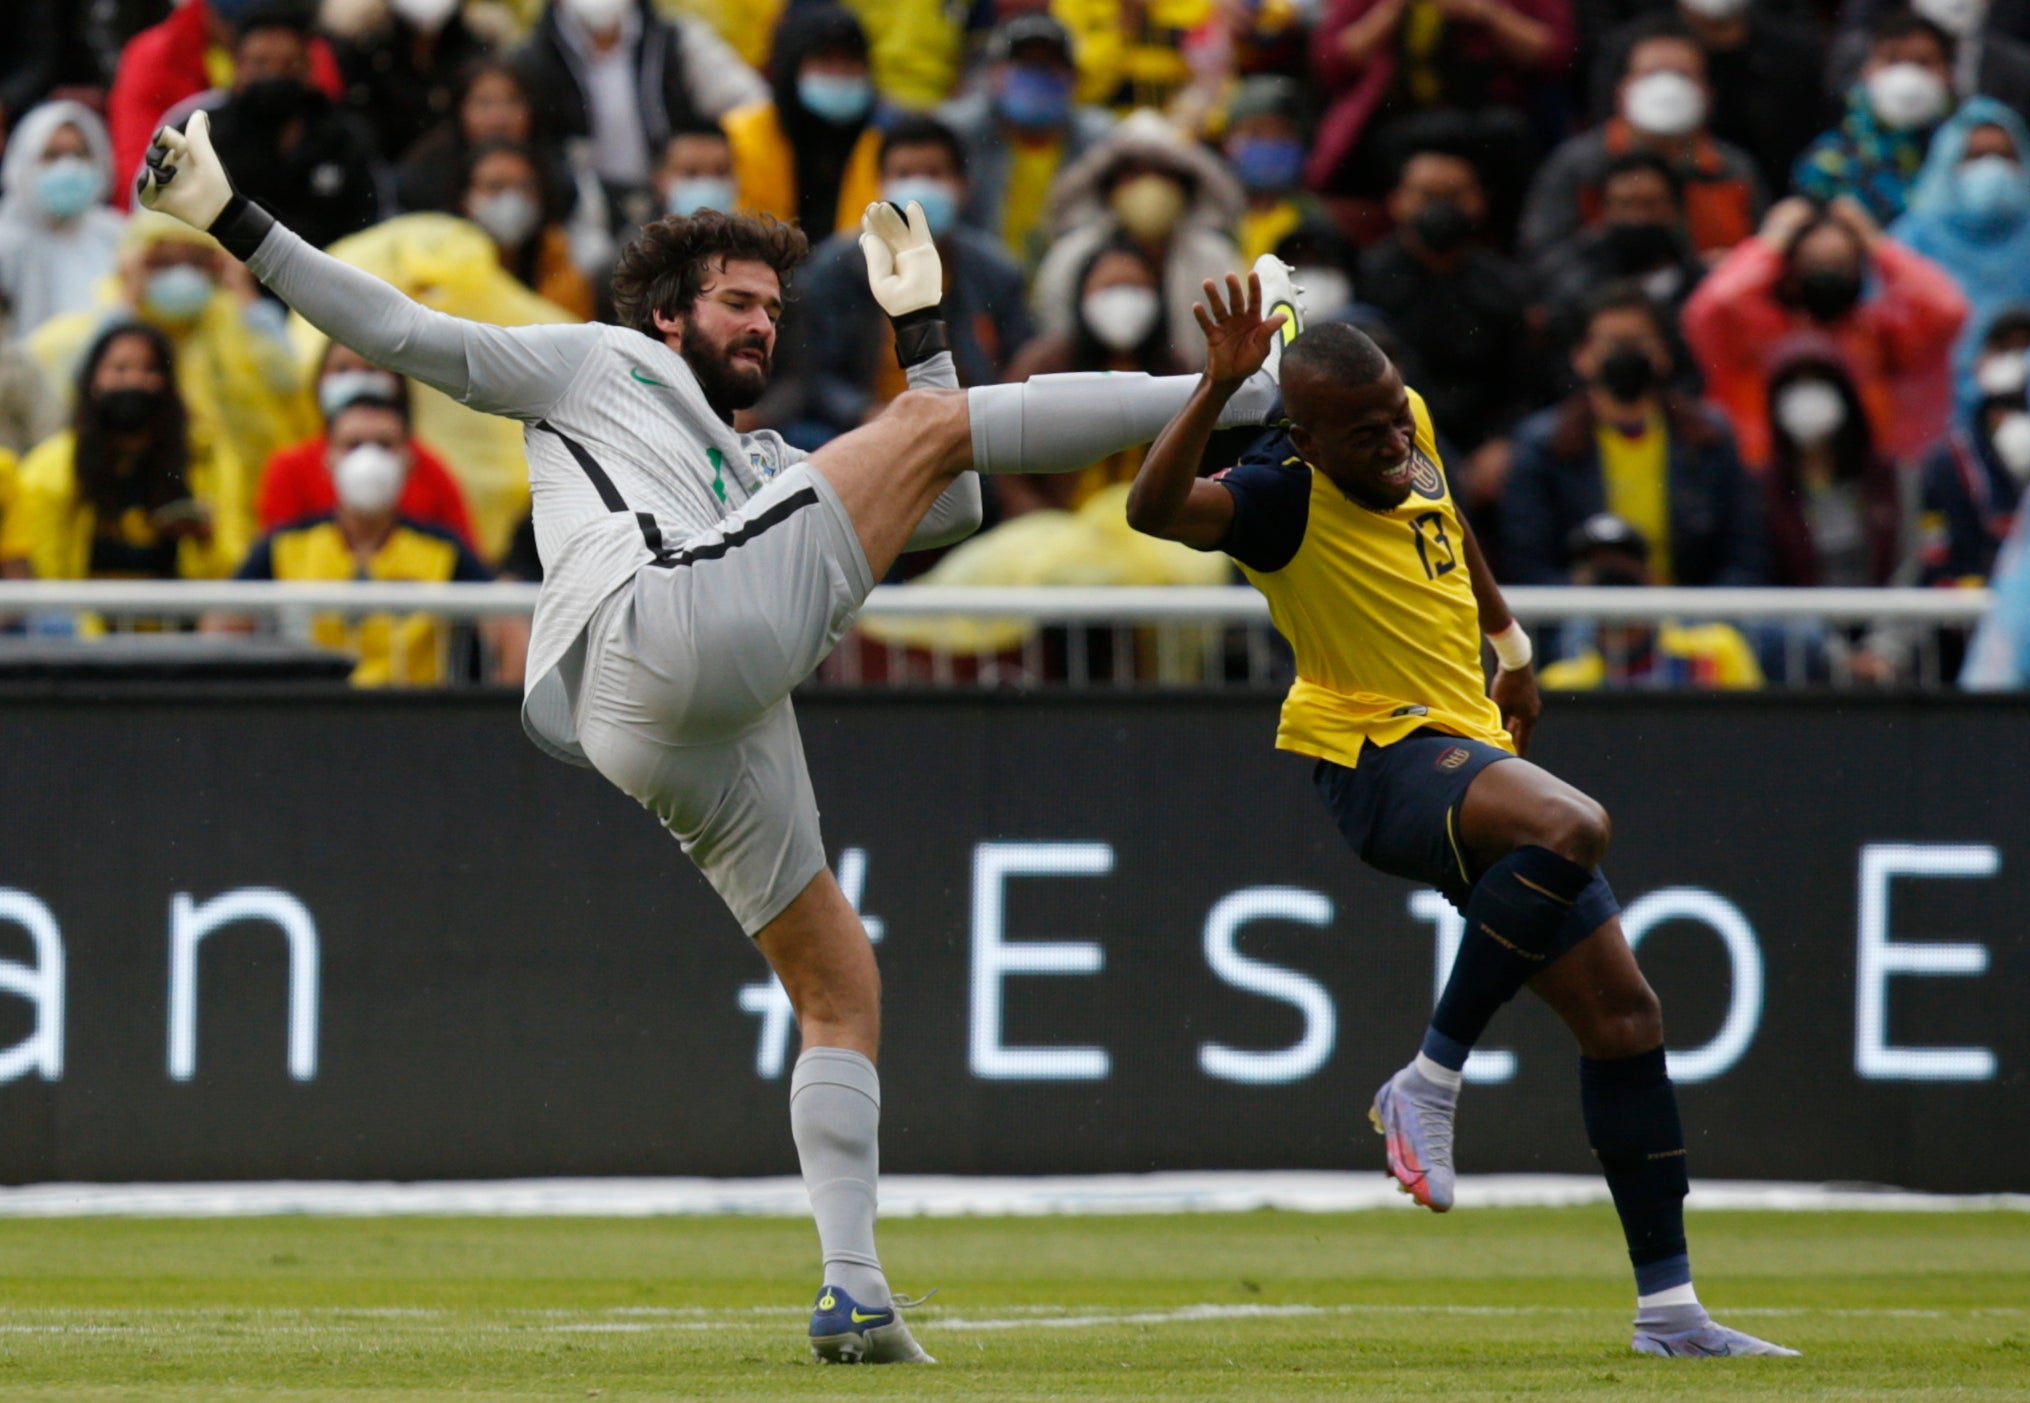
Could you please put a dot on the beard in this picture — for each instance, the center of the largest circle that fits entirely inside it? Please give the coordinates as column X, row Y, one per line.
column 729, row 384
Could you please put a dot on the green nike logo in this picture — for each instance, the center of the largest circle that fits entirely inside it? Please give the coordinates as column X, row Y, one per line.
column 635, row 371
column 861, row 1317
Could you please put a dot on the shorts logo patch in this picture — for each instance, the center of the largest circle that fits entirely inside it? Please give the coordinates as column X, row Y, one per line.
column 1455, row 757
column 1425, row 479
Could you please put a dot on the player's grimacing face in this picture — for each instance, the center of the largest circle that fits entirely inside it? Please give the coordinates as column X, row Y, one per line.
column 729, row 334
column 1360, row 437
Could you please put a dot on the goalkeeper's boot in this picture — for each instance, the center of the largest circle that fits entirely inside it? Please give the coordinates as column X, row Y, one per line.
column 842, row 1332
column 1279, row 294
column 1414, row 1116
column 1699, row 1336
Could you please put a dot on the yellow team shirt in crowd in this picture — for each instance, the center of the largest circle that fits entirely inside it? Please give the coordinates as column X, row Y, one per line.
column 404, row 651
column 57, row 531
column 1635, row 470
column 1377, row 605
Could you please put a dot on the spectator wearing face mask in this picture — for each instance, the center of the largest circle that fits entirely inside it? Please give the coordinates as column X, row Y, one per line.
column 1640, row 238
column 1021, row 125
column 58, row 237
column 297, row 484
column 1894, row 314
column 1604, row 551
column 1836, row 515
column 188, row 54
column 1662, row 106
column 1267, row 135
column 401, row 61
column 235, row 374
column 613, row 74
column 696, row 172
column 1148, row 186
column 128, row 491
column 366, row 537
column 1629, row 445
column 505, row 195
column 1119, row 325
column 1991, row 45
column 1757, row 56
column 1970, row 214
column 844, row 347
column 1459, row 306
column 491, row 103
column 291, row 149
column 811, row 154
column 1973, row 478
column 1904, row 92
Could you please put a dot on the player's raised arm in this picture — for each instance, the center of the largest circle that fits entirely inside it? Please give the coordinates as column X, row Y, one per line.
column 1514, row 688
column 517, row 371
column 1169, row 499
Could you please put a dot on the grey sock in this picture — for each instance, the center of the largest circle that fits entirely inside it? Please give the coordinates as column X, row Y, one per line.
column 1061, row 423
column 1671, row 1320
column 835, row 1116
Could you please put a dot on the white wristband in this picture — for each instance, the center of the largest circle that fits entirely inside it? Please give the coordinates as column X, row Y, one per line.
column 1512, row 647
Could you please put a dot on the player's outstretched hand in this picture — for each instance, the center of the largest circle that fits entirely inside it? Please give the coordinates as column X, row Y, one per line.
column 1237, row 337
column 903, row 268
column 183, row 176
column 1515, row 693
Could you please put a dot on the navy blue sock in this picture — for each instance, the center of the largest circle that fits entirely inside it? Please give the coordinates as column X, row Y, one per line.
column 1513, row 919
column 1631, row 1114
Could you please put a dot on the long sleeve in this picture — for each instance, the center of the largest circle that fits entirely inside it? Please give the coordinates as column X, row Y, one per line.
column 959, row 509
column 1744, row 545
column 718, row 78
column 1528, row 519
column 1732, row 317
column 1919, row 310
column 519, row 372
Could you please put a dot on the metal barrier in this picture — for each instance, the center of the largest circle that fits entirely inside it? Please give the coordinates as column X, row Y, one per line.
column 1127, row 637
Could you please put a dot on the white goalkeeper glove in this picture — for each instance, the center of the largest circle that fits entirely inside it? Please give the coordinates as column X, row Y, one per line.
column 907, row 278
column 183, row 176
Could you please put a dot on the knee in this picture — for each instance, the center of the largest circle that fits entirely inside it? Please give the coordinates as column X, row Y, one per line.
column 937, row 419
column 1574, row 827
column 1625, row 1023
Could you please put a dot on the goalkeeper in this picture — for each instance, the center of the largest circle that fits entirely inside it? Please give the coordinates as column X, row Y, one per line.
column 694, row 575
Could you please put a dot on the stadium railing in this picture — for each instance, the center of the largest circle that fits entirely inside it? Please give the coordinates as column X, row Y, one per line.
column 920, row 635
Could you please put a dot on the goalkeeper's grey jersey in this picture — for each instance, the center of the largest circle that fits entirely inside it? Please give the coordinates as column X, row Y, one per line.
column 626, row 460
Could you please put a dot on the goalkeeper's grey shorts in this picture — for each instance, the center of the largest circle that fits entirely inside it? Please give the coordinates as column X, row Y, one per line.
column 684, row 699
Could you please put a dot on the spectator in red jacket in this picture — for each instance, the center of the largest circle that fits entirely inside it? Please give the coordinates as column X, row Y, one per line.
column 297, row 482
column 1893, row 313
column 187, row 54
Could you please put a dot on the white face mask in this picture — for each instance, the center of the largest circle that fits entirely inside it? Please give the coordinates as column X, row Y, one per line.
column 1811, row 412
column 509, row 215
column 599, row 16
column 1664, row 104
column 2012, row 443
column 1122, row 315
column 427, row 15
column 369, row 479
column 2001, row 374
column 1716, row 9
column 1906, row 96
column 1960, row 18
column 1323, row 290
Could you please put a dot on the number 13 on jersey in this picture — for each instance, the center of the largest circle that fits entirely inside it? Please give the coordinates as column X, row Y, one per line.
column 1434, row 547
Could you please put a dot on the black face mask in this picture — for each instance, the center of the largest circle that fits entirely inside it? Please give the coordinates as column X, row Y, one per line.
column 1442, row 226
column 123, row 411
column 1637, row 248
column 272, row 99
column 1828, row 294
column 1627, row 373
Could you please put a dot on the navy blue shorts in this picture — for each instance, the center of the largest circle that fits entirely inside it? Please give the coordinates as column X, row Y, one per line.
column 1400, row 812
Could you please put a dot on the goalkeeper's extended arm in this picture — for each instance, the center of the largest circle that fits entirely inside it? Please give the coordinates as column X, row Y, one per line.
column 907, row 279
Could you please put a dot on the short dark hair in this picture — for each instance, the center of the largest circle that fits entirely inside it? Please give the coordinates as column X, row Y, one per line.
column 1662, row 26
column 665, row 266
column 2012, row 320
column 1344, row 354
column 1628, row 162
column 291, row 15
column 1900, row 22
column 1624, row 295
column 921, row 129
column 695, row 126
column 381, row 403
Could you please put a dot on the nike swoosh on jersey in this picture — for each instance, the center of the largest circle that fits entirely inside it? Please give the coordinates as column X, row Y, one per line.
column 635, row 371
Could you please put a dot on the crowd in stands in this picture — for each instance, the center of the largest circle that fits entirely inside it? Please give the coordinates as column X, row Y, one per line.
column 1700, row 292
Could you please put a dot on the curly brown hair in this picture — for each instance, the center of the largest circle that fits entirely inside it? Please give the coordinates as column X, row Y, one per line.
column 665, row 266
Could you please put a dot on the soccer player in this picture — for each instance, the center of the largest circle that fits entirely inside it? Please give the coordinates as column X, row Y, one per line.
column 694, row 575
column 1347, row 524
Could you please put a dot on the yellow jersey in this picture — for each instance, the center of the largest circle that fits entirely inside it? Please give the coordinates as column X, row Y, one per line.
column 1377, row 605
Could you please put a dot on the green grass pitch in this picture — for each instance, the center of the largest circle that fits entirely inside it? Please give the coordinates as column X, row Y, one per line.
column 1518, row 1304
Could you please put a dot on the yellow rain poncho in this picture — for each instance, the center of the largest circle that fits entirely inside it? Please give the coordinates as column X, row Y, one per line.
column 450, row 266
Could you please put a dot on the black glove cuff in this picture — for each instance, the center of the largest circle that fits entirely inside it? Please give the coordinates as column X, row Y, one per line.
column 241, row 226
column 920, row 335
